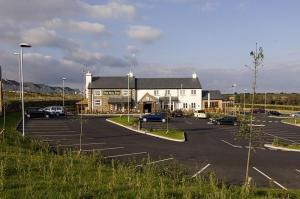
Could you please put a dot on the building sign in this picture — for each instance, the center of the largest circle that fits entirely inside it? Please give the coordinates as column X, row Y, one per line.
column 111, row 92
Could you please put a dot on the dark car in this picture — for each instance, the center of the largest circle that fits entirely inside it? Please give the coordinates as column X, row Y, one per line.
column 274, row 113
column 177, row 113
column 258, row 110
column 36, row 112
column 227, row 120
column 154, row 117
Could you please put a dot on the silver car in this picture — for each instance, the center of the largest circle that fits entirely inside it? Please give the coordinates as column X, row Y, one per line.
column 296, row 114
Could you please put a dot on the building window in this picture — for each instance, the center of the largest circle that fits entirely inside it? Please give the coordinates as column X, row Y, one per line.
column 97, row 92
column 185, row 105
column 125, row 92
column 193, row 92
column 182, row 92
column 97, row 102
column 168, row 92
column 156, row 92
column 193, row 105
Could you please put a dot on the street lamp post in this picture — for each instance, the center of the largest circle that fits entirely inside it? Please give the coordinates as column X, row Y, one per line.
column 130, row 75
column 265, row 103
column 22, row 45
column 234, row 109
column 63, row 92
column 19, row 66
column 245, row 90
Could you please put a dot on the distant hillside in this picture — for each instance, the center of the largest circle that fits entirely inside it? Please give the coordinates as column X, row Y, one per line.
column 12, row 85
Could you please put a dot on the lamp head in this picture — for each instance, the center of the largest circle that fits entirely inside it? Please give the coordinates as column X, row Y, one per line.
column 25, row 45
column 130, row 74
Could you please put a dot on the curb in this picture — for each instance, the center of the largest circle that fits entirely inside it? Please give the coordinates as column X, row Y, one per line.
column 145, row 133
column 298, row 125
column 280, row 148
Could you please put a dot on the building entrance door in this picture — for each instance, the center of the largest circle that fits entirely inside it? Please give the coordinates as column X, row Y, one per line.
column 147, row 107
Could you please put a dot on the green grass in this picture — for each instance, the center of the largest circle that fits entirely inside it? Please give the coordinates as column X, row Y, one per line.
column 29, row 169
column 133, row 121
column 292, row 121
column 172, row 133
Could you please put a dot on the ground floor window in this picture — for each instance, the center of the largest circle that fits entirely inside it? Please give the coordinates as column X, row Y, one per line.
column 193, row 105
column 97, row 103
column 185, row 105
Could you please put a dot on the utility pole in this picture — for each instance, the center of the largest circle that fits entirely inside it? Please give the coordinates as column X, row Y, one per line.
column 265, row 103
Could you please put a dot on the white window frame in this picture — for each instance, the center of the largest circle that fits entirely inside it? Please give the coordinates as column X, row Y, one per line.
column 125, row 92
column 168, row 92
column 156, row 92
column 193, row 105
column 97, row 92
column 97, row 102
column 185, row 105
column 193, row 92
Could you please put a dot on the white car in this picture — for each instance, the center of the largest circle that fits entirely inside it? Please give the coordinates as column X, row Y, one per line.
column 200, row 114
column 296, row 114
column 55, row 110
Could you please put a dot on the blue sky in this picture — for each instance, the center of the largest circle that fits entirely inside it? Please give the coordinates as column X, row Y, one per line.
column 168, row 37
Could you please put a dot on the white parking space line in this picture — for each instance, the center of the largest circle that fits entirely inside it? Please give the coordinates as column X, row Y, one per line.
column 269, row 178
column 155, row 162
column 280, row 137
column 41, row 132
column 85, row 144
column 68, row 135
column 188, row 122
column 236, row 146
column 105, row 149
column 126, row 154
column 196, row 174
column 298, row 170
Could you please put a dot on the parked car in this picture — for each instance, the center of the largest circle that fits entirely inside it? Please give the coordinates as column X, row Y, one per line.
column 200, row 114
column 258, row 110
column 227, row 120
column 154, row 117
column 296, row 114
column 274, row 113
column 177, row 113
column 36, row 112
column 55, row 110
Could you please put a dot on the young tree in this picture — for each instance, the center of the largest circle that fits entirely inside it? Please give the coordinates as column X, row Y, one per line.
column 257, row 57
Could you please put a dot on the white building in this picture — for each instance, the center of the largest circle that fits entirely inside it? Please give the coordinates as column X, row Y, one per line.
column 114, row 94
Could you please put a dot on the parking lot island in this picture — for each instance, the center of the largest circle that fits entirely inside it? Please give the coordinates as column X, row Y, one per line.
column 133, row 125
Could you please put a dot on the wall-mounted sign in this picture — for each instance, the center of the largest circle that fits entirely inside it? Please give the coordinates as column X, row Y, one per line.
column 111, row 92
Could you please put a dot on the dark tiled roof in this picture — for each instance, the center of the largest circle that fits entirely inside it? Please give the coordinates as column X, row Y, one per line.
column 214, row 95
column 112, row 82
column 144, row 83
column 167, row 83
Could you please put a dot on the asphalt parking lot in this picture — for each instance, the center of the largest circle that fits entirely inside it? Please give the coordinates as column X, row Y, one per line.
column 208, row 147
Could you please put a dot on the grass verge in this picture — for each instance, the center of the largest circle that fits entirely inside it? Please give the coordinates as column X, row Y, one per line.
column 133, row 121
column 293, row 121
column 30, row 169
column 172, row 133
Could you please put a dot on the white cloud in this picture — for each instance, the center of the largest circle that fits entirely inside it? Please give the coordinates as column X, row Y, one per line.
column 110, row 10
column 47, row 38
column 76, row 26
column 146, row 34
column 132, row 50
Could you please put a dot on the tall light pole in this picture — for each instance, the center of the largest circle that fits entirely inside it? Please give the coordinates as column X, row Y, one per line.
column 129, row 75
column 63, row 91
column 19, row 66
column 233, row 86
column 245, row 90
column 22, row 45
column 265, row 103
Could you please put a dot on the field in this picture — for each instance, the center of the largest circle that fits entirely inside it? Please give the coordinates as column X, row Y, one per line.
column 30, row 169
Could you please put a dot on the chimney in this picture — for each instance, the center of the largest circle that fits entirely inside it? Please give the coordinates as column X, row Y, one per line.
column 194, row 75
column 88, row 80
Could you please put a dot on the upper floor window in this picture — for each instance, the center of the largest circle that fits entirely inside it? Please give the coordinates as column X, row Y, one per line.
column 168, row 92
column 185, row 105
column 182, row 92
column 125, row 92
column 97, row 92
column 193, row 92
column 156, row 92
